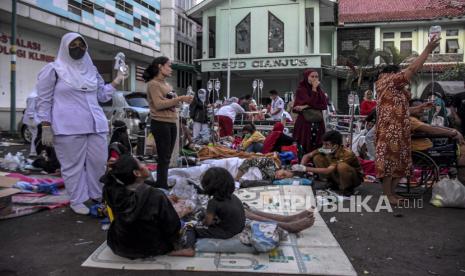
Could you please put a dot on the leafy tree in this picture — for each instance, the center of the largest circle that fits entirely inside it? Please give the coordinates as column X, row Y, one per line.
column 361, row 63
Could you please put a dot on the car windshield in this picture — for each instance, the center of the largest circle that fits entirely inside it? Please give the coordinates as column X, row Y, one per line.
column 138, row 102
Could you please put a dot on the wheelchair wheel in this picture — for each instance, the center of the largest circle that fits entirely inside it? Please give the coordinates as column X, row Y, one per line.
column 423, row 174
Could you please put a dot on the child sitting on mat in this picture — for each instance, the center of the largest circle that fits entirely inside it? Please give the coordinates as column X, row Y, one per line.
column 225, row 216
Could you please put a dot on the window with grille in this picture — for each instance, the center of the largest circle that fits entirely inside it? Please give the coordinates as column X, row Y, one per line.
column 137, row 23
column 88, row 6
column 124, row 6
column 123, row 24
column 452, row 41
column 243, row 36
column 75, row 7
column 144, row 21
column 405, row 43
column 275, row 34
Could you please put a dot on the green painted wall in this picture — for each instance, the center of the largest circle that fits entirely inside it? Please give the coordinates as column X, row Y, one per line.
column 290, row 12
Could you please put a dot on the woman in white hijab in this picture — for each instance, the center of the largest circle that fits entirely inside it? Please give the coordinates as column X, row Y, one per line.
column 69, row 90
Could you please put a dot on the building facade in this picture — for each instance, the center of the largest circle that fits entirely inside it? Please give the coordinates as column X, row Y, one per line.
column 185, row 47
column 129, row 26
column 270, row 40
column 405, row 25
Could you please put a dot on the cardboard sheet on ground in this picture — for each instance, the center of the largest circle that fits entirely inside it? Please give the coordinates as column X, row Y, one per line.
column 314, row 251
column 7, row 182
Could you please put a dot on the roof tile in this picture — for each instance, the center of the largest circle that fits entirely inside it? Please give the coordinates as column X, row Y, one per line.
column 362, row 11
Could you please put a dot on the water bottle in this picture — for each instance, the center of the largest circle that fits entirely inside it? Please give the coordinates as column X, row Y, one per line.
column 434, row 31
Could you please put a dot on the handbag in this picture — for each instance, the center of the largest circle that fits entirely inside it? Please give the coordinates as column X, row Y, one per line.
column 312, row 115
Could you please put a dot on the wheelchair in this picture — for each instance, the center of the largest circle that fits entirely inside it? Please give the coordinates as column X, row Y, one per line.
column 429, row 166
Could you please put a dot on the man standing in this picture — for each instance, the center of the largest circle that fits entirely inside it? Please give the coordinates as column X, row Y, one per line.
column 277, row 106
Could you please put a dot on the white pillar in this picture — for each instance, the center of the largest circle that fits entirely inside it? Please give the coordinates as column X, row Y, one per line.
column 228, row 89
column 334, row 52
column 316, row 28
column 302, row 28
column 334, row 90
column 167, row 28
column 205, row 37
column 167, row 39
column 132, row 82
column 377, row 43
column 421, row 39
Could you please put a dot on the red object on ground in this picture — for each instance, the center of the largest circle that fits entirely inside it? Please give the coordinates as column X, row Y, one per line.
column 237, row 142
column 226, row 125
column 368, row 166
column 291, row 148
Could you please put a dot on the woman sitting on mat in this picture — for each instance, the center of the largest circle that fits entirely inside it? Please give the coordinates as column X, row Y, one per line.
column 253, row 139
column 144, row 221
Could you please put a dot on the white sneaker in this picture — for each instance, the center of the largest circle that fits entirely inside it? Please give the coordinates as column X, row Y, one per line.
column 80, row 209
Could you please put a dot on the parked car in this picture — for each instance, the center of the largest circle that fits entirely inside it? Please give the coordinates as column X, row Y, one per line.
column 129, row 107
column 26, row 134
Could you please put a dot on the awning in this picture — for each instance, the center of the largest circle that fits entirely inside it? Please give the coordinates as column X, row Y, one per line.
column 186, row 67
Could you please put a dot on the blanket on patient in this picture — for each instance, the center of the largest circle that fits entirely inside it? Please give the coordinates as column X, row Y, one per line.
column 215, row 152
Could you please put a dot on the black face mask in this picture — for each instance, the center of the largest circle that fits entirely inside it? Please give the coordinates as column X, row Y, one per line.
column 76, row 53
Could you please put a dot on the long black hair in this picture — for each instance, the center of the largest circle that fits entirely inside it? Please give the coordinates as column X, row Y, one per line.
column 218, row 182
column 152, row 70
column 120, row 135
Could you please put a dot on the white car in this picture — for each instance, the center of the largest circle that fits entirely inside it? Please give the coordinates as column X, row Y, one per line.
column 129, row 107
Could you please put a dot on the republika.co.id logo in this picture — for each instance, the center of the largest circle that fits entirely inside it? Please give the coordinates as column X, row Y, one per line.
column 333, row 203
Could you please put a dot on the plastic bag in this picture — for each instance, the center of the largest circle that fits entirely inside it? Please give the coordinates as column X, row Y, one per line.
column 253, row 173
column 13, row 162
column 150, row 145
column 203, row 138
column 184, row 190
column 263, row 236
column 448, row 193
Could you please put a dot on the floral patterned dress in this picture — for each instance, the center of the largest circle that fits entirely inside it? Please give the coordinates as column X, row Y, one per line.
column 393, row 154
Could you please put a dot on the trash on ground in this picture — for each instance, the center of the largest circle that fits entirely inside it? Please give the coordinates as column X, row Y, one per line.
column 82, row 243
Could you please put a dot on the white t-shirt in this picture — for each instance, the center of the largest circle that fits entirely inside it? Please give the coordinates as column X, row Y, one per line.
column 276, row 104
column 230, row 110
